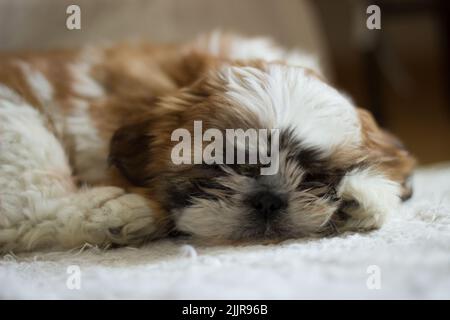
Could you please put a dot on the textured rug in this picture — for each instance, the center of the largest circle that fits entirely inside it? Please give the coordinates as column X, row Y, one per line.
column 408, row 258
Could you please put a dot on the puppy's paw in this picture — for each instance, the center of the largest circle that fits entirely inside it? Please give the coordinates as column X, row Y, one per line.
column 125, row 218
column 98, row 197
column 369, row 198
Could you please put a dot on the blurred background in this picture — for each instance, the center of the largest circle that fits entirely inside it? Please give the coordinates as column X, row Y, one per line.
column 401, row 72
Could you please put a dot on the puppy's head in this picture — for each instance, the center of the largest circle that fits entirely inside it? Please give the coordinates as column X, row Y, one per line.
column 336, row 170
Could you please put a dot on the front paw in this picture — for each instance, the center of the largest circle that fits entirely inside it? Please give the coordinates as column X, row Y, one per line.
column 125, row 218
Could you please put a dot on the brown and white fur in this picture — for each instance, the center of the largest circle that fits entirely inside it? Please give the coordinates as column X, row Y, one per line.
column 85, row 146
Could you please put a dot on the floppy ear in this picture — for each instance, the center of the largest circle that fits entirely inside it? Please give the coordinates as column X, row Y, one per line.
column 129, row 152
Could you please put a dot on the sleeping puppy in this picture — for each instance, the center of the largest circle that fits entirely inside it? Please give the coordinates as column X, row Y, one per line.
column 87, row 147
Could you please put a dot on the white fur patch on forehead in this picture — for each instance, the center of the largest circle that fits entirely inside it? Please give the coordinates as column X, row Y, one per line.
column 376, row 196
column 289, row 97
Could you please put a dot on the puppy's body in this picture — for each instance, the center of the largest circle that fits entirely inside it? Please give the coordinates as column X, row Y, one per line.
column 85, row 146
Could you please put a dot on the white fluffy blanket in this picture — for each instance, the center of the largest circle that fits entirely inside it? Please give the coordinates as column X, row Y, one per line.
column 411, row 255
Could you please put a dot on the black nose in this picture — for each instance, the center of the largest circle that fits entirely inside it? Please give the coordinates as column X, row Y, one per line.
column 267, row 203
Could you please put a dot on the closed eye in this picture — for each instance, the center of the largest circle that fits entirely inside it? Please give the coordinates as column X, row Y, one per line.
column 311, row 185
column 321, row 185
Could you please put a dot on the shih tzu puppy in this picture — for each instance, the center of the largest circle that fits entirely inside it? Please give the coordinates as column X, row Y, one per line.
column 87, row 147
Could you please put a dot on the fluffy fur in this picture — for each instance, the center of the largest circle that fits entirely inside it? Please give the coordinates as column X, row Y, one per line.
column 85, row 147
